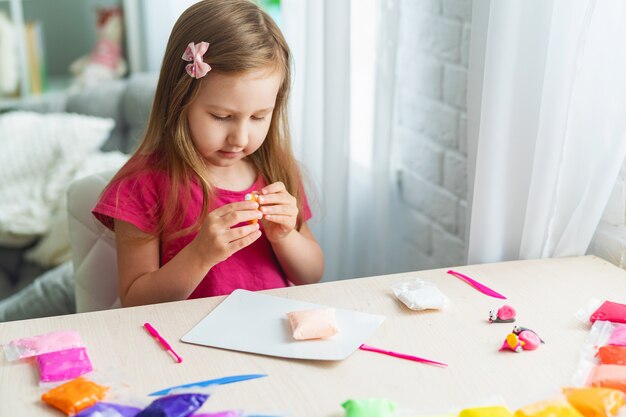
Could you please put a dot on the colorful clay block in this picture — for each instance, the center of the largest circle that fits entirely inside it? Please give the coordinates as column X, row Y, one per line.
column 548, row 408
column 103, row 409
column 75, row 395
column 63, row 365
column 492, row 411
column 610, row 311
column 180, row 405
column 608, row 376
column 618, row 336
column 612, row 355
column 370, row 407
column 253, row 196
column 595, row 402
column 313, row 324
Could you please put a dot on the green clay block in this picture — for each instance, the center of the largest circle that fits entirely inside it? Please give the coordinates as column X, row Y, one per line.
column 438, row 415
column 370, row 407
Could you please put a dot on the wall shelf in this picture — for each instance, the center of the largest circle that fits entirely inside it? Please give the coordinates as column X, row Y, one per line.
column 68, row 34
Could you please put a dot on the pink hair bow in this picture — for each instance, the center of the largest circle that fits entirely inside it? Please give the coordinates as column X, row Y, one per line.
column 194, row 53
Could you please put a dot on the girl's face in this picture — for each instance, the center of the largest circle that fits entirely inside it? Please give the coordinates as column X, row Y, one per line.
column 230, row 117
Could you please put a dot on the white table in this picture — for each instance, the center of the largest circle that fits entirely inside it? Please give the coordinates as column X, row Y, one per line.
column 546, row 293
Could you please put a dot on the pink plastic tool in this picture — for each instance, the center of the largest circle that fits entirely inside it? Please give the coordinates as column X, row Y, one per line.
column 400, row 355
column 480, row 287
column 162, row 341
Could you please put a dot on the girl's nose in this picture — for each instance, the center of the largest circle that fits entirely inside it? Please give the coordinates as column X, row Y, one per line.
column 239, row 135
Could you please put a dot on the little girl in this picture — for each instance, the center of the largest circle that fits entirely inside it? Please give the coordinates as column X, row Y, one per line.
column 218, row 130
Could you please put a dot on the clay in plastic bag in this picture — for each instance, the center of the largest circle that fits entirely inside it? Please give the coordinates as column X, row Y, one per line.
column 548, row 408
column 313, row 324
column 419, row 295
column 611, row 355
column 369, row 407
column 608, row 376
column 491, row 411
column 44, row 343
column 75, row 395
column 106, row 409
column 610, row 311
column 595, row 402
column 180, row 405
column 63, row 365
column 618, row 336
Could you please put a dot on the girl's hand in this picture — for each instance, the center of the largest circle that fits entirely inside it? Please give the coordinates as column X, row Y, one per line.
column 218, row 239
column 280, row 211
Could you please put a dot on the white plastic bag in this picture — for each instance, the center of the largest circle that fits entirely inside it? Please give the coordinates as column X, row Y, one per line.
column 417, row 294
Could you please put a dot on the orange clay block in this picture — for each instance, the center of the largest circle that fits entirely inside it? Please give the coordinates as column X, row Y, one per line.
column 608, row 376
column 548, row 408
column 595, row 402
column 253, row 196
column 493, row 411
column 75, row 395
column 612, row 355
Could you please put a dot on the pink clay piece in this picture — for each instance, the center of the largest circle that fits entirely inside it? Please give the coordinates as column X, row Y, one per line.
column 530, row 339
column 506, row 312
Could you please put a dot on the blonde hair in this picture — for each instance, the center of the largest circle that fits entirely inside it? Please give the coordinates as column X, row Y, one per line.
column 242, row 38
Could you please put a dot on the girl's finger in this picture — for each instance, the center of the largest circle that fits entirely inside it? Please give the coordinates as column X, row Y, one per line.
column 280, row 219
column 277, row 198
column 279, row 209
column 234, row 218
column 232, row 207
column 240, row 232
column 239, row 244
column 275, row 187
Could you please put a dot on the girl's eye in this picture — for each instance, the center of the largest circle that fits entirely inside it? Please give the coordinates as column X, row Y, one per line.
column 216, row 117
column 257, row 118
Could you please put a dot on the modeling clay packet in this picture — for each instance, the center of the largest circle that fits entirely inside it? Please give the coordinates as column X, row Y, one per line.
column 595, row 402
column 181, row 405
column 106, row 409
column 610, row 311
column 608, row 376
column 237, row 413
column 63, row 365
column 313, row 324
column 44, row 343
column 548, row 408
column 370, row 407
column 598, row 336
column 75, row 395
column 618, row 336
column 419, row 295
column 491, row 411
column 611, row 355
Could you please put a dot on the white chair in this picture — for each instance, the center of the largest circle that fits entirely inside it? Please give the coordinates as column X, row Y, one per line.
column 93, row 247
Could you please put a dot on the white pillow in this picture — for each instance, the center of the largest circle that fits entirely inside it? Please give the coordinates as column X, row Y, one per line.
column 54, row 247
column 39, row 154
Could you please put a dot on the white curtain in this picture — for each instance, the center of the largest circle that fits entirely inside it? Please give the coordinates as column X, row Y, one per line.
column 334, row 117
column 546, row 124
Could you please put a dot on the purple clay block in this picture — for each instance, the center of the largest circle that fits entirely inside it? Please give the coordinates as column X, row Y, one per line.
column 109, row 410
column 181, row 405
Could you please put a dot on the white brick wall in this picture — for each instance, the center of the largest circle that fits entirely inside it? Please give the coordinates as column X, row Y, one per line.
column 430, row 130
column 609, row 241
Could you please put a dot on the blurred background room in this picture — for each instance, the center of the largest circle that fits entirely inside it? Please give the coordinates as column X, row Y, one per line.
column 433, row 133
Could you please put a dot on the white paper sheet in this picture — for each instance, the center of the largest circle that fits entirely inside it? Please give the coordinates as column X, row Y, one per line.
column 253, row 322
